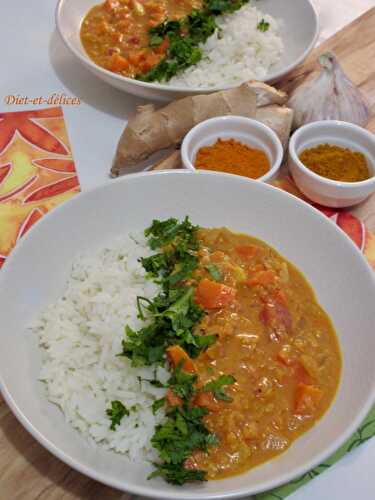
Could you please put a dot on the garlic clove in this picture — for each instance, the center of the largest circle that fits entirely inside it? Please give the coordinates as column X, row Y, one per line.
column 329, row 96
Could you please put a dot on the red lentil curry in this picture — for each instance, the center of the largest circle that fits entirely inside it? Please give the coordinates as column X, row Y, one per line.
column 115, row 34
column 255, row 360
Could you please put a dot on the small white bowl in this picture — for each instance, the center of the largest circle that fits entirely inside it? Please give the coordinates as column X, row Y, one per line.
column 245, row 130
column 326, row 191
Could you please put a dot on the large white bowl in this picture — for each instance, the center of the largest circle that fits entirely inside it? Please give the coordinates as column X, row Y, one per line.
column 299, row 32
column 36, row 272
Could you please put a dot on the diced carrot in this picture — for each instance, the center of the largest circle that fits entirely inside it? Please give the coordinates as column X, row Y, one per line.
column 307, row 399
column 262, row 278
column 118, row 63
column 136, row 56
column 214, row 295
column 162, row 48
column 247, row 251
column 172, row 398
column 151, row 61
column 176, row 354
column 207, row 400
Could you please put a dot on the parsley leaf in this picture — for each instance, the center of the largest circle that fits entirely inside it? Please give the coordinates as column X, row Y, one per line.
column 216, row 386
column 185, row 36
column 116, row 413
column 173, row 314
column 214, row 272
column 157, row 404
column 263, row 26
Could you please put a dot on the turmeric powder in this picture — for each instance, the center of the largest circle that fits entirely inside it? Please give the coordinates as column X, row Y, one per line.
column 336, row 163
column 232, row 157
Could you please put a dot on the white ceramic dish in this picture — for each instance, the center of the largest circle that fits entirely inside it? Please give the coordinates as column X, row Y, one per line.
column 35, row 275
column 299, row 32
column 326, row 191
column 245, row 130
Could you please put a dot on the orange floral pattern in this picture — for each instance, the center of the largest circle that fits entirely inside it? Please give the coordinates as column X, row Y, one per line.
column 351, row 225
column 37, row 171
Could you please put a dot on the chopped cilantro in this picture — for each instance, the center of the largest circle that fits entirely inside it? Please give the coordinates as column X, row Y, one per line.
column 181, row 433
column 173, row 313
column 157, row 404
column 263, row 26
column 116, row 413
column 214, row 272
column 184, row 37
column 216, row 386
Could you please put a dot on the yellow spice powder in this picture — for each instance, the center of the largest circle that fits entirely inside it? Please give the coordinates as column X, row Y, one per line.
column 336, row 163
column 232, row 157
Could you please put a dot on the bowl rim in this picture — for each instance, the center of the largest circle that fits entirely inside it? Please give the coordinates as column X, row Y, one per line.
column 149, row 492
column 197, row 130
column 339, row 125
column 85, row 59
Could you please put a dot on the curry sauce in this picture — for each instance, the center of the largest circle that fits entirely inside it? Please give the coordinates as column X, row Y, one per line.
column 277, row 342
column 115, row 34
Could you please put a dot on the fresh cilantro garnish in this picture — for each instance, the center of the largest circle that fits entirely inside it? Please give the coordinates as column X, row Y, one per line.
column 216, row 386
column 182, row 432
column 173, row 314
column 157, row 404
column 184, row 37
column 182, row 383
column 175, row 474
column 263, row 26
column 214, row 272
column 116, row 413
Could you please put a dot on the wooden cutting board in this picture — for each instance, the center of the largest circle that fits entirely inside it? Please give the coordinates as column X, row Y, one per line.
column 354, row 46
column 28, row 471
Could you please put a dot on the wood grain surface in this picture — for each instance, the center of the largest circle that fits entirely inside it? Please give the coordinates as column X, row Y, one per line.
column 27, row 470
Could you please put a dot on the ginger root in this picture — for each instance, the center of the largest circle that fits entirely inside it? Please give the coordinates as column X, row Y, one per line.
column 151, row 130
column 170, row 162
column 279, row 118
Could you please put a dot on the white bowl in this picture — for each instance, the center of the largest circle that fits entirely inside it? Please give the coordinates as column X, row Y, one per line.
column 245, row 130
column 35, row 275
column 326, row 191
column 299, row 30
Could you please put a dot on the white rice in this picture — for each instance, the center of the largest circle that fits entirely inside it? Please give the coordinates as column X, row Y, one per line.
column 237, row 52
column 81, row 336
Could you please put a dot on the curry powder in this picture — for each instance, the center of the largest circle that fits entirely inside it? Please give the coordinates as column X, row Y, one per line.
column 232, row 157
column 336, row 163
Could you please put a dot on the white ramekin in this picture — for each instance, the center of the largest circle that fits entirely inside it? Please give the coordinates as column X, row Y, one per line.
column 245, row 130
column 326, row 191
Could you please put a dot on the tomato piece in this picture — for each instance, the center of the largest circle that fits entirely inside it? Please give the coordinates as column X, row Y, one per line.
column 307, row 399
column 206, row 400
column 301, row 375
column 213, row 295
column 276, row 315
column 247, row 251
column 176, row 354
column 172, row 398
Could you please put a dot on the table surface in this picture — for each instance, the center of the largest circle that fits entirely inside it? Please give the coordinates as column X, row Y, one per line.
column 35, row 63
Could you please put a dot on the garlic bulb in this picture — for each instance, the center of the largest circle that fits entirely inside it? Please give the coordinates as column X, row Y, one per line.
column 329, row 96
